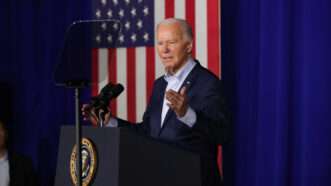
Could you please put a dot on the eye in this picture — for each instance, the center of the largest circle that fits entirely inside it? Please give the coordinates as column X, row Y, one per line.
column 172, row 42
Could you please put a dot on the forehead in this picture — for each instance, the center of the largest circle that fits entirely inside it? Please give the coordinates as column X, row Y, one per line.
column 171, row 29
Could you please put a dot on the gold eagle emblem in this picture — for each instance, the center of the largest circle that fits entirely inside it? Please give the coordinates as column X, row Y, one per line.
column 89, row 162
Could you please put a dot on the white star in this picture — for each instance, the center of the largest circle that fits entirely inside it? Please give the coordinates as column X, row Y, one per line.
column 104, row 26
column 133, row 12
column 110, row 13
column 115, row 2
column 115, row 26
column 139, row 24
column 146, row 11
column 127, row 2
column 121, row 13
column 127, row 25
column 140, row 1
column 133, row 37
column 109, row 38
column 146, row 36
column 98, row 38
column 103, row 2
column 98, row 13
column 121, row 38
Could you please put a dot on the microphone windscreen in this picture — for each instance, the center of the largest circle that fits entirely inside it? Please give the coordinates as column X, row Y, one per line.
column 111, row 91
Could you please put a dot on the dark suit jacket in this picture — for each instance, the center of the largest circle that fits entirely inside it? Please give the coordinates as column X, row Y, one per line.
column 21, row 172
column 205, row 98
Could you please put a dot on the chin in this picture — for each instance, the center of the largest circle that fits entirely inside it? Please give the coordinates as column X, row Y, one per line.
column 169, row 69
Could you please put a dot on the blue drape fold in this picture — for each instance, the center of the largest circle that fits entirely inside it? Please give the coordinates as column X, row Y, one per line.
column 32, row 35
column 276, row 63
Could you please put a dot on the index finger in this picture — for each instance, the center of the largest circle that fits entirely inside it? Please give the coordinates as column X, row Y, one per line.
column 183, row 90
column 171, row 93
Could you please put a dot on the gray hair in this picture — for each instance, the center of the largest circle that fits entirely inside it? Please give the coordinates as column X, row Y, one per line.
column 185, row 27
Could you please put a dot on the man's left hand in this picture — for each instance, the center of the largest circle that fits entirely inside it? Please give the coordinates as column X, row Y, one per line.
column 177, row 101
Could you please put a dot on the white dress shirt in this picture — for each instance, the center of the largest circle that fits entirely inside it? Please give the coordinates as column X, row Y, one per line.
column 176, row 81
column 4, row 170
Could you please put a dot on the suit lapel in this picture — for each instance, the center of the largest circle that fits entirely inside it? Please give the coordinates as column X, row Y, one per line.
column 160, row 96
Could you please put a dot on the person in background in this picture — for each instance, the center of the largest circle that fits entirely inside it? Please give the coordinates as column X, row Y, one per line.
column 15, row 169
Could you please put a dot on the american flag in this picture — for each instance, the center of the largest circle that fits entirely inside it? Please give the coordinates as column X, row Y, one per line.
column 134, row 62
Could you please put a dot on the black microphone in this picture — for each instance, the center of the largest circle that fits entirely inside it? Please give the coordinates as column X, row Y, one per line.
column 107, row 93
column 100, row 103
column 110, row 91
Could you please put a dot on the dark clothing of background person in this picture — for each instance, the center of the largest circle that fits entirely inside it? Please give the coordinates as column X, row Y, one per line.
column 21, row 172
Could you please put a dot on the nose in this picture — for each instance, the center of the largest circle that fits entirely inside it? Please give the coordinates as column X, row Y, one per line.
column 165, row 48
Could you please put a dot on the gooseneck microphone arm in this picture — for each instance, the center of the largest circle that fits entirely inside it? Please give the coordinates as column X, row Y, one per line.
column 101, row 118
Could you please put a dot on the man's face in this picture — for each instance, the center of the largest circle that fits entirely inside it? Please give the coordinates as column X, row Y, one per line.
column 172, row 46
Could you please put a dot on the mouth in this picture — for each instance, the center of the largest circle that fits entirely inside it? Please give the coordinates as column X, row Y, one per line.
column 167, row 58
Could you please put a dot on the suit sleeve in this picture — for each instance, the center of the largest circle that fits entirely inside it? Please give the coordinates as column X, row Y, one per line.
column 144, row 126
column 213, row 117
column 140, row 127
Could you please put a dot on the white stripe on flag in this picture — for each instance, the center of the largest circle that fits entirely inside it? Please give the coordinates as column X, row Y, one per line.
column 180, row 9
column 159, row 15
column 121, row 62
column 201, row 31
column 103, row 68
column 140, row 82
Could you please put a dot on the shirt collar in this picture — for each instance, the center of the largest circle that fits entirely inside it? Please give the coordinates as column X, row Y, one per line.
column 182, row 72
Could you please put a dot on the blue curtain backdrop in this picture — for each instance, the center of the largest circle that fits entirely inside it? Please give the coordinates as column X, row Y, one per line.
column 276, row 64
column 32, row 34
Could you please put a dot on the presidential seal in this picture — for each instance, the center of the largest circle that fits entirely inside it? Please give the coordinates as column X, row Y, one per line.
column 89, row 162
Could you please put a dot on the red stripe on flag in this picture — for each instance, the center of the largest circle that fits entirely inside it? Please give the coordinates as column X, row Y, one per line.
column 219, row 160
column 169, row 8
column 214, row 60
column 213, row 41
column 150, row 71
column 190, row 17
column 95, row 72
column 131, row 84
column 112, row 75
column 220, row 37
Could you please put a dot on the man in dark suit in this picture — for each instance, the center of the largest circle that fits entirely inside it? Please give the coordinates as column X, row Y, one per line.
column 15, row 169
column 186, row 107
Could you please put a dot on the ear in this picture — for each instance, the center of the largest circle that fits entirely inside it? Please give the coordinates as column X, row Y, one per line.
column 189, row 47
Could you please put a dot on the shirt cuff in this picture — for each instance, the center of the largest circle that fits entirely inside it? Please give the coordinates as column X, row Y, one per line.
column 189, row 118
column 112, row 122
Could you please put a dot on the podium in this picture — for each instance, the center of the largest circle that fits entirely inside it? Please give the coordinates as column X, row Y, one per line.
column 125, row 158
